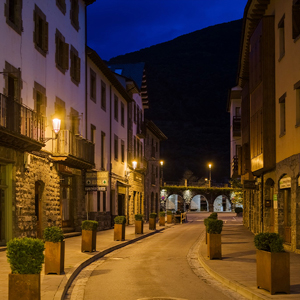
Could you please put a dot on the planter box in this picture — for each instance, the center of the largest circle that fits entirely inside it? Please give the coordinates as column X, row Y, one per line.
column 119, row 232
column 88, row 240
column 214, row 246
column 273, row 271
column 24, row 286
column 139, row 227
column 162, row 221
column 169, row 219
column 54, row 257
column 152, row 224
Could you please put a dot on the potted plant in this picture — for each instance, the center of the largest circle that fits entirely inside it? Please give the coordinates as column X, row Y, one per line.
column 169, row 216
column 89, row 235
column 239, row 211
column 25, row 256
column 213, row 216
column 272, row 263
column 139, row 224
column 152, row 221
column 54, row 250
column 162, row 218
column 214, row 247
column 119, row 228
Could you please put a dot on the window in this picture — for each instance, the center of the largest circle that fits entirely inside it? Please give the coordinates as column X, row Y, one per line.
column 40, row 31
column 61, row 4
column 297, row 88
column 282, row 114
column 103, row 95
column 281, row 38
column 122, row 114
column 122, row 151
column 62, row 52
column 93, row 133
column 75, row 66
column 296, row 18
column 40, row 100
column 74, row 14
column 237, row 111
column 116, row 108
column 93, row 85
column 74, row 120
column 102, row 150
column 116, row 147
column 13, row 14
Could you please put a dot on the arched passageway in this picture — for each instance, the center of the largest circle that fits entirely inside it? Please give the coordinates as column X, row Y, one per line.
column 199, row 203
column 222, row 203
column 175, row 202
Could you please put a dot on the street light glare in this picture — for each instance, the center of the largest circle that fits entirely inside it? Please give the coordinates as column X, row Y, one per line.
column 209, row 165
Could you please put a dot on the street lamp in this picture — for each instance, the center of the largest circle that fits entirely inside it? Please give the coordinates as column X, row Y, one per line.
column 209, row 166
column 162, row 173
column 56, row 128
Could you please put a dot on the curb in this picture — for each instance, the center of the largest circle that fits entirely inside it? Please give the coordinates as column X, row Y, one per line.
column 233, row 285
column 71, row 275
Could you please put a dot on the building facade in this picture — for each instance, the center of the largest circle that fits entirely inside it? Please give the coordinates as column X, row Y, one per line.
column 41, row 78
column 269, row 77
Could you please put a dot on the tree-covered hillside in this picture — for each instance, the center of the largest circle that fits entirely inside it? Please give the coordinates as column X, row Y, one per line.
column 188, row 82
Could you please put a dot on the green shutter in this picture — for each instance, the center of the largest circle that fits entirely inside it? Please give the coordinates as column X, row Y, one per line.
column 77, row 75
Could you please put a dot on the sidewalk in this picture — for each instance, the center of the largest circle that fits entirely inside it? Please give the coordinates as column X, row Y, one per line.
column 237, row 269
column 54, row 287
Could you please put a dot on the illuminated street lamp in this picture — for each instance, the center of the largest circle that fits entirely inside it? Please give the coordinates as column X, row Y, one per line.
column 134, row 164
column 209, row 183
column 162, row 173
column 56, row 128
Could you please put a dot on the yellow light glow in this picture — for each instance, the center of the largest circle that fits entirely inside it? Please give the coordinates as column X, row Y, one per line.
column 56, row 125
column 134, row 164
column 161, row 163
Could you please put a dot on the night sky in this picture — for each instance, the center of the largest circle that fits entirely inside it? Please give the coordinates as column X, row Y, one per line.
column 118, row 27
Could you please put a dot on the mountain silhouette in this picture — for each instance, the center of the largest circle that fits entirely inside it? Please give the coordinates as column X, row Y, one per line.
column 188, row 81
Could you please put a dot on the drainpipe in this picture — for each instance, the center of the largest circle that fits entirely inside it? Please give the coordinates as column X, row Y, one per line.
column 262, row 203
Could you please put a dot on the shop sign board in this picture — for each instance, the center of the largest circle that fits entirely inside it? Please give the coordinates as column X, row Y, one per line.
column 285, row 183
column 96, row 178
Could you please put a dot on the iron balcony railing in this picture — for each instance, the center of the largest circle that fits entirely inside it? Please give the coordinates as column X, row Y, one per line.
column 68, row 143
column 18, row 118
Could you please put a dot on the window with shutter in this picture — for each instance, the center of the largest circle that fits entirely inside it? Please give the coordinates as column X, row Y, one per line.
column 75, row 66
column 296, row 18
column 74, row 12
column 61, row 4
column 61, row 53
column 13, row 13
column 40, row 31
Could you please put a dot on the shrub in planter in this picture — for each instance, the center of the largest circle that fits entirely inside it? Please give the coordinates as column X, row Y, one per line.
column 214, row 247
column 54, row 250
column 169, row 216
column 162, row 218
column 119, row 228
column 25, row 256
column 272, row 263
column 238, row 210
column 152, row 221
column 89, row 235
column 213, row 215
column 139, row 224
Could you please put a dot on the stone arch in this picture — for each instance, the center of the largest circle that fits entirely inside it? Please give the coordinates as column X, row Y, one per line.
column 175, row 202
column 199, row 203
column 222, row 204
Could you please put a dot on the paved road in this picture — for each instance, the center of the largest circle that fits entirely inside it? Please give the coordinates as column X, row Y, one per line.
column 163, row 266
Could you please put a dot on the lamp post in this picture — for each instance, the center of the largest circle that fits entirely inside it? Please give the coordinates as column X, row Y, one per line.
column 56, row 128
column 162, row 173
column 209, row 183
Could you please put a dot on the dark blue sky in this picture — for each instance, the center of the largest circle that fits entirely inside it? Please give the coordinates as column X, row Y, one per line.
column 118, row 27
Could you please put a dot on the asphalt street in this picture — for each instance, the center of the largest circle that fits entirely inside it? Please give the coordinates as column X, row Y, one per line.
column 163, row 266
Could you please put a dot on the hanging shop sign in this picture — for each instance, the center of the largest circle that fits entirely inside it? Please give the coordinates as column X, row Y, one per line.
column 285, row 183
column 95, row 180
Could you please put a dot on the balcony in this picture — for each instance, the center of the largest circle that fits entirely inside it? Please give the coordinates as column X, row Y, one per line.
column 20, row 127
column 236, row 126
column 72, row 150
